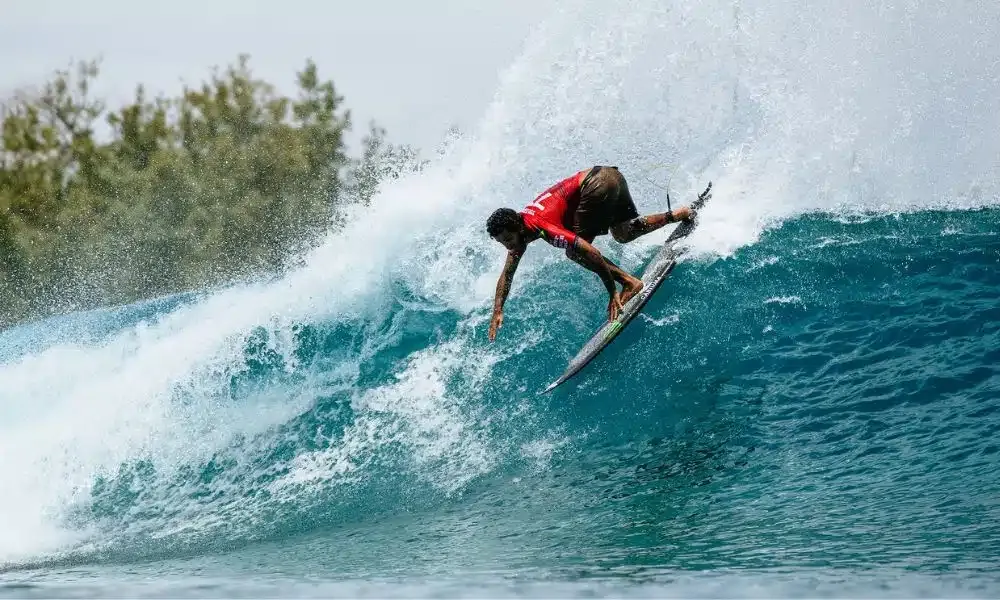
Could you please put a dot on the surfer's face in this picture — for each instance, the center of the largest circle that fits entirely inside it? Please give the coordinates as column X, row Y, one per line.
column 510, row 239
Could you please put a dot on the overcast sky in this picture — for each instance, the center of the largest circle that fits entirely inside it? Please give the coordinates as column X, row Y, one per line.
column 417, row 67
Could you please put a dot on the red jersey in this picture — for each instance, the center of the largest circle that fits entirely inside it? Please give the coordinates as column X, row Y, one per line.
column 551, row 214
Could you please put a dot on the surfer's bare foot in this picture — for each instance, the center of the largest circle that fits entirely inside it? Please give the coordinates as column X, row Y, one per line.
column 631, row 288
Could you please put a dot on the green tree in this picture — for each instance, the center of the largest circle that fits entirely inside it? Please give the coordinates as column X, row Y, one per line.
column 218, row 184
column 380, row 161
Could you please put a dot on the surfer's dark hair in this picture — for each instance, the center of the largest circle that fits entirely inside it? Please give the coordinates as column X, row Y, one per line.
column 502, row 219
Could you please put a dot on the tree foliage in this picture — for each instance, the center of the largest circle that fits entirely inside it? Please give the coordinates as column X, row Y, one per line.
column 380, row 161
column 218, row 184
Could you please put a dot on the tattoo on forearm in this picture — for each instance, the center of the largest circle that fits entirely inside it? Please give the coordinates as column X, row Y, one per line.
column 503, row 285
column 505, row 281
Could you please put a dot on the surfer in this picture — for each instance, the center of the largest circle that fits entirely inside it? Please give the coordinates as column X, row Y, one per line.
column 569, row 215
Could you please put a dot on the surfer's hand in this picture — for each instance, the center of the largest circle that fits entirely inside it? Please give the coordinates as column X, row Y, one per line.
column 614, row 306
column 495, row 324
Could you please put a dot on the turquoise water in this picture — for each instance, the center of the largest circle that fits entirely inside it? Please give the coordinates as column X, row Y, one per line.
column 828, row 426
column 808, row 407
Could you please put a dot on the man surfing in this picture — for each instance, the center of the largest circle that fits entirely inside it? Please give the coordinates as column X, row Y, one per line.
column 569, row 215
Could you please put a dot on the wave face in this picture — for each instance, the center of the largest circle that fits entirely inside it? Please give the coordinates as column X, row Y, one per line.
column 815, row 387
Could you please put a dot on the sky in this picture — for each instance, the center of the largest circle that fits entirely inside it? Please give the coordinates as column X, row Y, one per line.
column 417, row 68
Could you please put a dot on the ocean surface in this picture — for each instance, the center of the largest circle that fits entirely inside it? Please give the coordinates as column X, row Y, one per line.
column 809, row 406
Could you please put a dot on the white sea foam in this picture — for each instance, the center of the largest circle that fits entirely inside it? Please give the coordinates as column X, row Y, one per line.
column 667, row 320
column 783, row 300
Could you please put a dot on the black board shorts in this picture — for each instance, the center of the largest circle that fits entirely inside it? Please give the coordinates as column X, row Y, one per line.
column 604, row 202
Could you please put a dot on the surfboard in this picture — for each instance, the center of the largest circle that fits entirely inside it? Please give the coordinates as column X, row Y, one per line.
column 652, row 277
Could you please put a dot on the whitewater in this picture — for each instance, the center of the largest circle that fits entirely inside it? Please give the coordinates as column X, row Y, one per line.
column 809, row 406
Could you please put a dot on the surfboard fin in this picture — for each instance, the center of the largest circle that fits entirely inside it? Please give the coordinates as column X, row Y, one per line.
column 699, row 202
column 704, row 196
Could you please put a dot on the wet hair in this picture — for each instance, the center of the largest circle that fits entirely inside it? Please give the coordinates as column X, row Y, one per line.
column 502, row 219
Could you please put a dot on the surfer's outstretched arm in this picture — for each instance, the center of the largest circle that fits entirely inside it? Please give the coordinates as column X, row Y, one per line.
column 503, row 288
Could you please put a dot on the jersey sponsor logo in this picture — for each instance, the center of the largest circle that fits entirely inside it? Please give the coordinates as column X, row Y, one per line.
column 559, row 241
